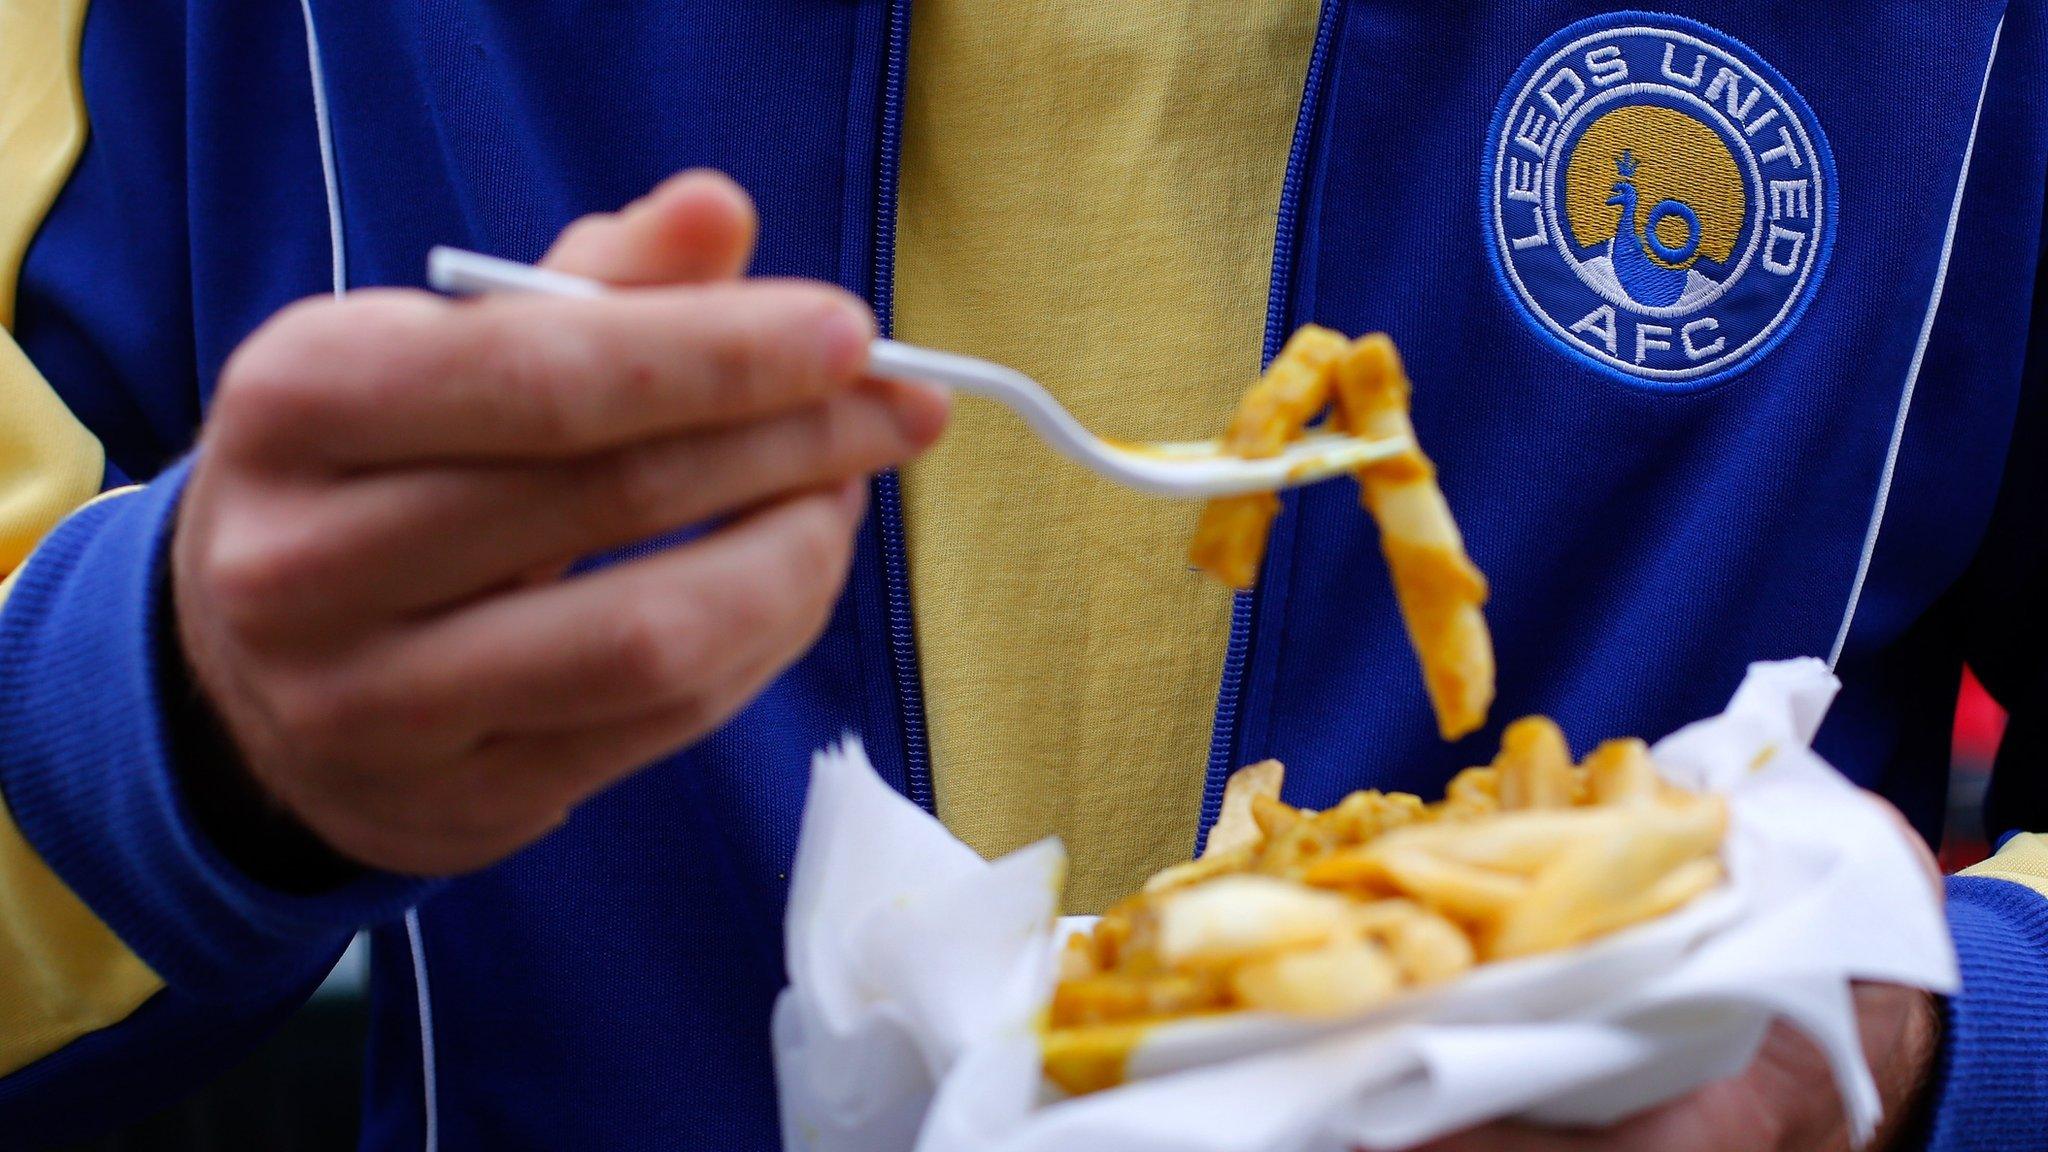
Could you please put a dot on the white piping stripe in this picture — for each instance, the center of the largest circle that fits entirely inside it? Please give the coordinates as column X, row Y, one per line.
column 1891, row 459
column 337, row 243
column 426, row 1003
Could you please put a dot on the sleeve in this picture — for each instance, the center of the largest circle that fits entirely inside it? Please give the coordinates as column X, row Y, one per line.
column 134, row 959
column 1990, row 1087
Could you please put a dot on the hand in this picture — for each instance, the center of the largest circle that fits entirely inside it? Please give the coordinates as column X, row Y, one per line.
column 367, row 566
column 1784, row 1102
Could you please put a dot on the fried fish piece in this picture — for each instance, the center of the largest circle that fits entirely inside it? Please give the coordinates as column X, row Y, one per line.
column 1276, row 817
column 1294, row 390
column 1472, row 793
column 1230, row 538
column 1439, row 588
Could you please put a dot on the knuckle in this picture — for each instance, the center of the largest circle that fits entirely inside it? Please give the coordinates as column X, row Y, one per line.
column 396, row 338
column 818, row 545
column 768, row 345
column 832, row 434
column 695, row 714
column 822, row 302
column 732, row 377
column 805, row 300
column 759, row 346
column 632, row 494
column 263, row 392
column 756, row 606
column 657, row 644
column 280, row 385
column 1769, row 1129
column 801, row 584
column 248, row 572
column 534, row 367
column 811, row 309
column 482, row 810
column 316, row 715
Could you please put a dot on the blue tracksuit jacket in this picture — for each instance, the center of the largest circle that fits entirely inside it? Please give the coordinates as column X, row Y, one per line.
column 1788, row 400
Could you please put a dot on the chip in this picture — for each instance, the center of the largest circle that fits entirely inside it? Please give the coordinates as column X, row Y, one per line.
column 1340, row 977
column 1534, row 766
column 1235, row 826
column 1230, row 539
column 1333, row 913
column 1439, row 589
column 1232, row 917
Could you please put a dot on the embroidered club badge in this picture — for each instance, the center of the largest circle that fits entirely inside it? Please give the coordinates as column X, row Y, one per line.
column 1659, row 200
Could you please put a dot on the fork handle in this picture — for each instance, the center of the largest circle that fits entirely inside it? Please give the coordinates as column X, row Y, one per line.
column 458, row 271
column 909, row 361
column 1005, row 385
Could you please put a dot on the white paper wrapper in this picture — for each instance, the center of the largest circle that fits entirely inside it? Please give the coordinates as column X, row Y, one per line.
column 917, row 970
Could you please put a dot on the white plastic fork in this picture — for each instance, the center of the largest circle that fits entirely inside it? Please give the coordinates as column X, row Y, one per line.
column 1198, row 468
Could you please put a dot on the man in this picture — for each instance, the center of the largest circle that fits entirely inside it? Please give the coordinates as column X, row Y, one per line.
column 1720, row 321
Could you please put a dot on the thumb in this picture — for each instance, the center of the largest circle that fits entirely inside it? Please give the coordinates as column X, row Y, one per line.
column 695, row 226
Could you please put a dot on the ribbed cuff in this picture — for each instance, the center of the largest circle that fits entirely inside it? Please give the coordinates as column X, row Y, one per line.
column 86, row 768
column 1990, row 1090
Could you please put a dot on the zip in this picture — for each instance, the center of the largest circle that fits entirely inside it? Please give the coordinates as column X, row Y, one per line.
column 1244, row 609
column 888, row 489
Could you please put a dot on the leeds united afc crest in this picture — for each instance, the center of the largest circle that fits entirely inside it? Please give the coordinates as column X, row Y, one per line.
column 1660, row 200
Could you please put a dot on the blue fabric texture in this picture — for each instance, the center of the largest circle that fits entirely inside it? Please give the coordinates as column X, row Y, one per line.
column 610, row 986
column 75, row 642
column 1991, row 1089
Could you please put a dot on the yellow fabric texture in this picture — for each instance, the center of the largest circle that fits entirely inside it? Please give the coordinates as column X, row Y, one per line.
column 63, row 973
column 2023, row 860
column 1089, row 190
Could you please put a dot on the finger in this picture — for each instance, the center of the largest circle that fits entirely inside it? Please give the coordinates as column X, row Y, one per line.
column 1722, row 1115
column 660, row 634
column 1512, row 1138
column 390, row 377
column 405, row 542
column 575, row 763
column 1509, row 1136
column 694, row 227
column 513, row 788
